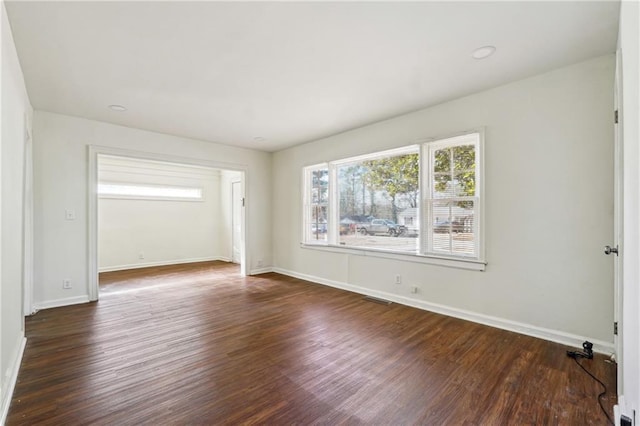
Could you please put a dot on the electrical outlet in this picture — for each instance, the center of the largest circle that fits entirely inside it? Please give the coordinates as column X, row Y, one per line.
column 260, row 263
column 414, row 289
column 70, row 214
column 66, row 284
column 141, row 255
column 398, row 279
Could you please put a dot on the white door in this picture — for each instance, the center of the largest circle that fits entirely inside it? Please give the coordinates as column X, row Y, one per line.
column 236, row 220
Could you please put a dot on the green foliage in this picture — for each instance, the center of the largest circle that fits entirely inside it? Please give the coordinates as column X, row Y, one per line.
column 395, row 176
column 455, row 166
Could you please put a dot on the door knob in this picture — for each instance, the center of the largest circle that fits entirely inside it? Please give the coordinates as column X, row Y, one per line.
column 609, row 250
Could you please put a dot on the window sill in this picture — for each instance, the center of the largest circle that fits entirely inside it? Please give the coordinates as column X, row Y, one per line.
column 458, row 263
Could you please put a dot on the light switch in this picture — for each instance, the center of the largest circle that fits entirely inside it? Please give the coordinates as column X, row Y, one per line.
column 70, row 214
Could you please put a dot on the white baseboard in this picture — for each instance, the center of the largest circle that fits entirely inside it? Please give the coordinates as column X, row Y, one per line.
column 7, row 392
column 161, row 263
column 61, row 302
column 622, row 409
column 505, row 324
column 259, row 271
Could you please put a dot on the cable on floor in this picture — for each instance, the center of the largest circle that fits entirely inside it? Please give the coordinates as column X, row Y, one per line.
column 601, row 393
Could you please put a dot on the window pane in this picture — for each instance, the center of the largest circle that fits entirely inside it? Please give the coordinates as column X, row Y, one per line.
column 441, row 226
column 320, row 186
column 315, row 222
column 443, row 186
column 464, row 158
column 465, row 184
column 453, row 230
column 378, row 201
column 464, row 238
column 318, row 226
column 442, row 160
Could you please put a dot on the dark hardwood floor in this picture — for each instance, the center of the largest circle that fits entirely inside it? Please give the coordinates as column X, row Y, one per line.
column 198, row 344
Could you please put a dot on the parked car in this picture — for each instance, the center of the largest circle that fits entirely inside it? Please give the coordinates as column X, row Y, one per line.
column 459, row 224
column 382, row 227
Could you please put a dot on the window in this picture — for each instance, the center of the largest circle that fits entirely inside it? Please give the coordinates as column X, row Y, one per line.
column 372, row 192
column 379, row 201
column 452, row 199
column 150, row 192
column 316, row 204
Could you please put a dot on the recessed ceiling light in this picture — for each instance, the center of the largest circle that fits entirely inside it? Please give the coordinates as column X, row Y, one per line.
column 483, row 52
column 118, row 108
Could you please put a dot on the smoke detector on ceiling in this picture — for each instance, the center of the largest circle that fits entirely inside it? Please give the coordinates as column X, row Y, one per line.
column 483, row 52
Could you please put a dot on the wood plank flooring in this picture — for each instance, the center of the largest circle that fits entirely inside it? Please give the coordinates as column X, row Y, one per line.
column 199, row 344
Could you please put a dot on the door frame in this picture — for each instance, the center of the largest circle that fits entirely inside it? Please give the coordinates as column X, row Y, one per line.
column 94, row 151
column 27, row 222
column 233, row 219
column 618, row 216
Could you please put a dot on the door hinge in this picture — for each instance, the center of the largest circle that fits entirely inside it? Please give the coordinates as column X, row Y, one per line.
column 615, row 328
column 242, row 201
column 615, row 116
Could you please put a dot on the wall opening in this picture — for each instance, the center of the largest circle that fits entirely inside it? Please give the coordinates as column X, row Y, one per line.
column 153, row 210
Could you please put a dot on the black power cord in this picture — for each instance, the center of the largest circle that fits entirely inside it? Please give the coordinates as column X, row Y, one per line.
column 575, row 358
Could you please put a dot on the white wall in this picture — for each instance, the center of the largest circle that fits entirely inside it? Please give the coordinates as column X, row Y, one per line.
column 162, row 232
column 629, row 390
column 549, row 208
column 16, row 116
column 61, row 182
column 226, row 236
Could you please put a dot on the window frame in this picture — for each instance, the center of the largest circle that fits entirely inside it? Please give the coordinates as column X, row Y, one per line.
column 422, row 255
column 476, row 138
column 307, row 202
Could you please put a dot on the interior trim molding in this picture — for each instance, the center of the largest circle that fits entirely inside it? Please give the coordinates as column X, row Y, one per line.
column 56, row 303
column 621, row 409
column 259, row 271
column 162, row 263
column 7, row 393
column 556, row 336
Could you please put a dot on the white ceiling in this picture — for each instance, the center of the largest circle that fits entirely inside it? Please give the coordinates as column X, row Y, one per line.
column 236, row 73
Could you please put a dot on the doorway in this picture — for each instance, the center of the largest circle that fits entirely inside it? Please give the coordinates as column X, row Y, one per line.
column 163, row 210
